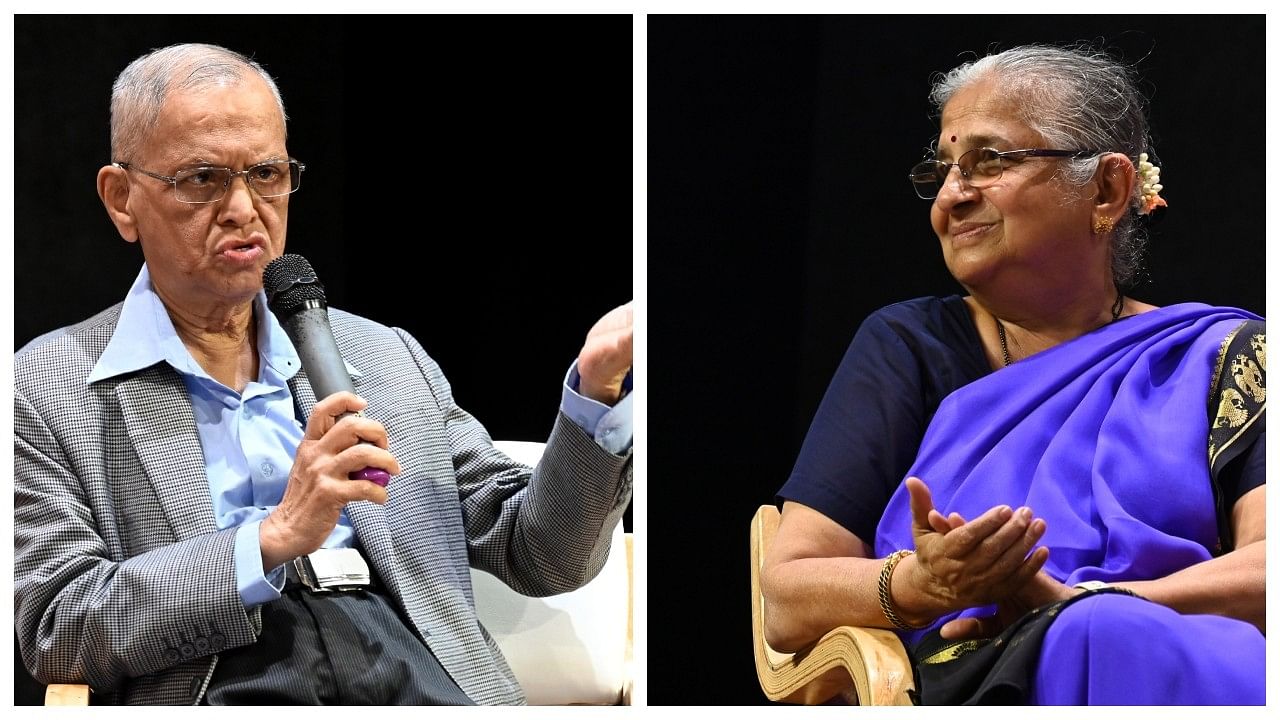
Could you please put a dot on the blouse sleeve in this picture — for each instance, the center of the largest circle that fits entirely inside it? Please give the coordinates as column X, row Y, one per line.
column 1251, row 472
column 865, row 434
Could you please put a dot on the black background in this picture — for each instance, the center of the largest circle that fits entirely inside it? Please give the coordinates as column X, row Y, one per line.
column 780, row 216
column 468, row 179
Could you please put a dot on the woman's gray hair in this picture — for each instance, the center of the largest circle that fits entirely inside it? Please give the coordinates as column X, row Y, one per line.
column 139, row 92
column 1077, row 98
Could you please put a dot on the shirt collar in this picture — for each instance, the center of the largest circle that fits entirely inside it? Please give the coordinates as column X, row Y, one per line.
column 144, row 336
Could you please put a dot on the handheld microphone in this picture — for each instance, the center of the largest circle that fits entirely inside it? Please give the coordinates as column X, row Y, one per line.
column 296, row 297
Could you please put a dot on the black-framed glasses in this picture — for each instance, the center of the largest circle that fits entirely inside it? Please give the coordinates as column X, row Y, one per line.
column 980, row 167
column 200, row 185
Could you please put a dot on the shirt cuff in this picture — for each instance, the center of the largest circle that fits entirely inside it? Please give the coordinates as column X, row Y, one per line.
column 610, row 427
column 256, row 588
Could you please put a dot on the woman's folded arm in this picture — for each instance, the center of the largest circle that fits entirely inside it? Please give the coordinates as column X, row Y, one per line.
column 1235, row 584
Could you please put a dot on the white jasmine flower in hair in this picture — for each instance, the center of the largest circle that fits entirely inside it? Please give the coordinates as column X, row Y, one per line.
column 1149, row 177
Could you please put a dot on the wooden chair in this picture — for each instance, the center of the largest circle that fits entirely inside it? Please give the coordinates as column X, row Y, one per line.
column 854, row 665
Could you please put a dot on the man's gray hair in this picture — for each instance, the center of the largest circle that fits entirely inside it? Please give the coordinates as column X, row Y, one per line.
column 139, row 92
column 1077, row 98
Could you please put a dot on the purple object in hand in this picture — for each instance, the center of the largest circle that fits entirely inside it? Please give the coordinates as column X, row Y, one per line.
column 373, row 475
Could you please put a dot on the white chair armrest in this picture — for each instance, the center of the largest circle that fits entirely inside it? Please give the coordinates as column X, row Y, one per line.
column 565, row 649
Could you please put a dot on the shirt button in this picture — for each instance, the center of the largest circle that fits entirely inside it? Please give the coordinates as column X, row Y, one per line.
column 217, row 641
column 202, row 644
column 266, row 469
column 187, row 650
column 171, row 655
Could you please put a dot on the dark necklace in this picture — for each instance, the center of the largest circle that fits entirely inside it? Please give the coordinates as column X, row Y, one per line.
column 1004, row 342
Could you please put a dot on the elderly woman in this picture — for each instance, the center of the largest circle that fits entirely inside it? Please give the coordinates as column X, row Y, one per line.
column 1053, row 491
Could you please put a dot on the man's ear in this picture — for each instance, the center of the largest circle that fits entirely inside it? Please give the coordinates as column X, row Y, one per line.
column 113, row 188
column 1114, row 181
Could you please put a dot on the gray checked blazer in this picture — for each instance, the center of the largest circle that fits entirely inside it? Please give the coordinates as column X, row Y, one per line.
column 124, row 582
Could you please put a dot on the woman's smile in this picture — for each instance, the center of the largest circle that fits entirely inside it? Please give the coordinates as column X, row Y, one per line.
column 969, row 233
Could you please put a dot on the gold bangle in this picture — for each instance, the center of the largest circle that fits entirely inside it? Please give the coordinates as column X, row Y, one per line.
column 886, row 603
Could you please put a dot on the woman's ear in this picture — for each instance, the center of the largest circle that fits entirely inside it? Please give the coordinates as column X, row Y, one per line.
column 1115, row 179
column 113, row 188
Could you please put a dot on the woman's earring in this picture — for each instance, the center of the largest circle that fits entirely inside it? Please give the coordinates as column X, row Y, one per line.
column 1102, row 225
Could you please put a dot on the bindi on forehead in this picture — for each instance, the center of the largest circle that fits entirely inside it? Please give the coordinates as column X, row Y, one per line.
column 983, row 138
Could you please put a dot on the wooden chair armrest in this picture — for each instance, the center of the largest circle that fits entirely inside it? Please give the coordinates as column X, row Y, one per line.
column 66, row 695
column 867, row 666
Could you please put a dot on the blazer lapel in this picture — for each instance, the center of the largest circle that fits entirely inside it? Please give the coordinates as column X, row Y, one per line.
column 368, row 519
column 162, row 428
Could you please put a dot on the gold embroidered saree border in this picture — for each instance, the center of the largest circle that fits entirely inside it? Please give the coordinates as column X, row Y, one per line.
column 1251, row 407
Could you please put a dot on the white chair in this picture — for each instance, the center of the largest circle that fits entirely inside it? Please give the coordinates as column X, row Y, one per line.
column 570, row 649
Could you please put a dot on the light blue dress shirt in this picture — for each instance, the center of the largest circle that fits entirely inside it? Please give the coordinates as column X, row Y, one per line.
column 249, row 439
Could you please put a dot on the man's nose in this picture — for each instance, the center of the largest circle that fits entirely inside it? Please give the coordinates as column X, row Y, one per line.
column 238, row 200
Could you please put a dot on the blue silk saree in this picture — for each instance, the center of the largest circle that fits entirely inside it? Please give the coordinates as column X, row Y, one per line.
column 1111, row 438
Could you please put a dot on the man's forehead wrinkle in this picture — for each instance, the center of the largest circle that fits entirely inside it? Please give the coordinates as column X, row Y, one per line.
column 213, row 138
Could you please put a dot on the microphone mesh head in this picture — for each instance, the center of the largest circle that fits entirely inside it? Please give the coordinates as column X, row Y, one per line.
column 290, row 281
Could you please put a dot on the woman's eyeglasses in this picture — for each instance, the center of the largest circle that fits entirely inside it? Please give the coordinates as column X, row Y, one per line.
column 980, row 167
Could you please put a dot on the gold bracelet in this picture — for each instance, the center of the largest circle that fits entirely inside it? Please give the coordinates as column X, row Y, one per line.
column 886, row 603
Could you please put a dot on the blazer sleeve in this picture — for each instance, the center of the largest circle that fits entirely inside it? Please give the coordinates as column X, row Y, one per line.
column 542, row 531
column 85, row 612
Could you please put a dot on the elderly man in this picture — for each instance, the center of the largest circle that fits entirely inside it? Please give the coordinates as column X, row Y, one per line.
column 181, row 492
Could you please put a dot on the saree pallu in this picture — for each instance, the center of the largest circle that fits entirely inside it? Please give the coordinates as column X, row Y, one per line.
column 1106, row 437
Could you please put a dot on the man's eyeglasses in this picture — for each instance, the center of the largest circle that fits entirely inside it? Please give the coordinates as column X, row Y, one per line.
column 980, row 167
column 208, row 184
